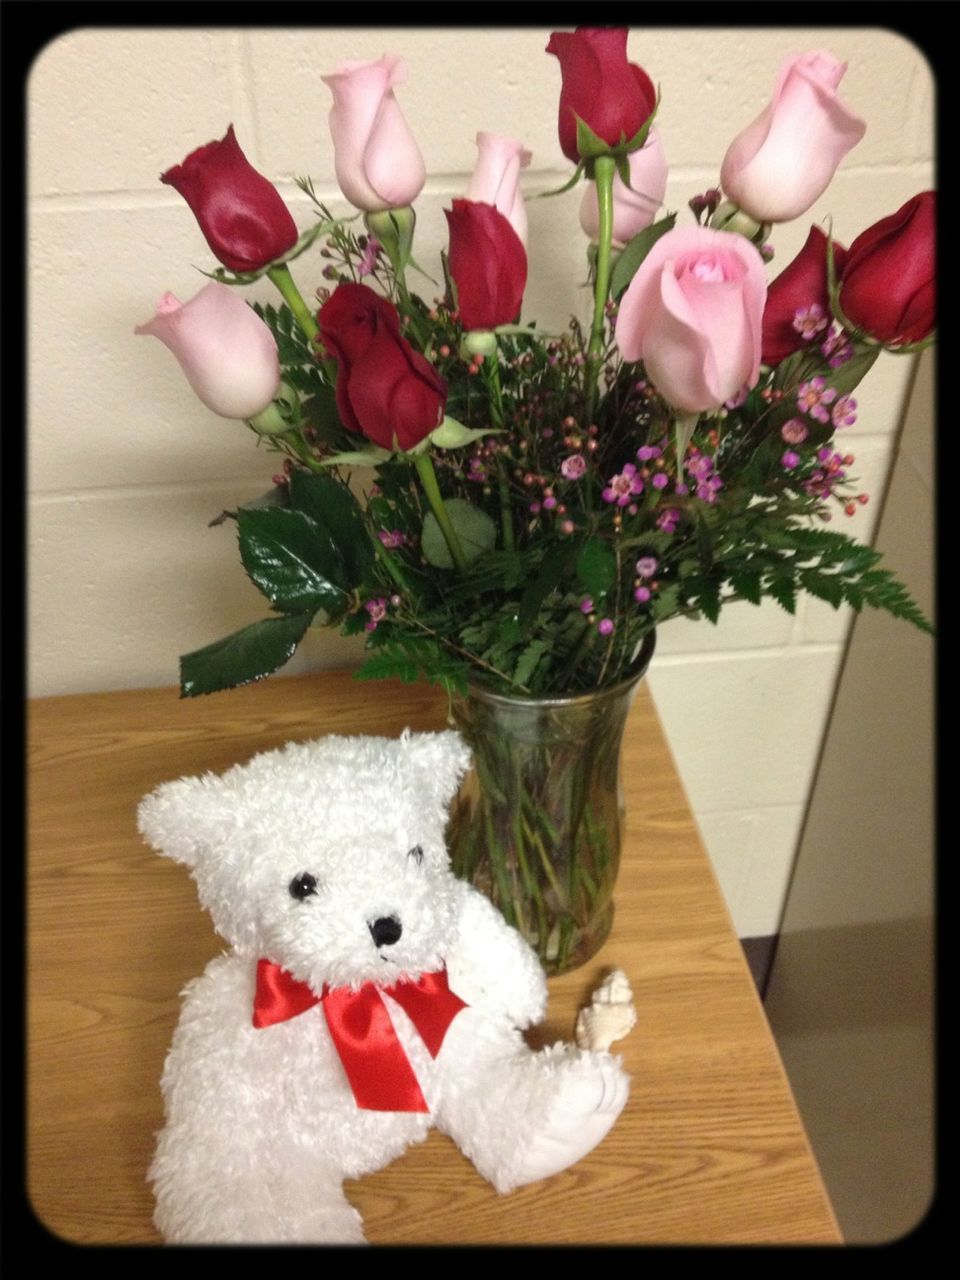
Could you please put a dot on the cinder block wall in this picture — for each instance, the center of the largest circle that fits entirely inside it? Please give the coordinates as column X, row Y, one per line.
column 126, row 468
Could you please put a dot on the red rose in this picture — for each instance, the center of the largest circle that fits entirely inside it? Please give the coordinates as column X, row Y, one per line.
column 613, row 96
column 385, row 390
column 800, row 286
column 241, row 214
column 887, row 287
column 488, row 264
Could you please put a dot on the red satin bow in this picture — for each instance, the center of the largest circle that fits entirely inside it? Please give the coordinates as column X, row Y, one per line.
column 379, row 1071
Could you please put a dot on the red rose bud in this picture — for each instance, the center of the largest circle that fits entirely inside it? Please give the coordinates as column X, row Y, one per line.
column 796, row 297
column 240, row 212
column 488, row 264
column 613, row 96
column 887, row 287
column 385, row 390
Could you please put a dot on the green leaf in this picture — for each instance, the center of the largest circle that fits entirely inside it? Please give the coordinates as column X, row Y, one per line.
column 824, row 586
column 597, row 568
column 706, row 595
column 746, row 583
column 589, row 145
column 684, row 425
column 249, row 654
column 332, row 507
column 666, row 602
column 788, row 367
column 448, row 280
column 782, row 590
column 881, row 590
column 523, row 331
column 851, row 374
column 293, row 561
column 634, row 252
column 528, row 660
column 452, row 434
column 474, row 528
column 320, row 412
column 577, row 175
column 371, row 457
column 555, row 563
column 704, row 539
column 409, row 658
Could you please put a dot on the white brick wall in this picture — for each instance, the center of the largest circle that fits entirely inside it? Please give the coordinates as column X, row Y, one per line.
column 126, row 467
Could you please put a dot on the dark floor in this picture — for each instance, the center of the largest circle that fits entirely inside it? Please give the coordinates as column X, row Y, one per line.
column 760, row 953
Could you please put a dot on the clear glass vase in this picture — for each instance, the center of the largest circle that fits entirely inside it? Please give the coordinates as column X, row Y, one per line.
column 537, row 823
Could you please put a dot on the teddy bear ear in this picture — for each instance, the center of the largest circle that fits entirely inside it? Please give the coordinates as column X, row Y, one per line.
column 181, row 819
column 440, row 759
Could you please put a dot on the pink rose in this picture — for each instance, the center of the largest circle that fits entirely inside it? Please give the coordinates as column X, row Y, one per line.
column 784, row 161
column 693, row 314
column 377, row 160
column 496, row 178
column 632, row 209
column 226, row 351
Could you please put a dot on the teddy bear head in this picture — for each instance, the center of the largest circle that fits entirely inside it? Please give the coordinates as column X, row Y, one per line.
column 325, row 857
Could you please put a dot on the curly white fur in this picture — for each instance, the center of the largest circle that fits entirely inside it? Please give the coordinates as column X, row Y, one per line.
column 262, row 1126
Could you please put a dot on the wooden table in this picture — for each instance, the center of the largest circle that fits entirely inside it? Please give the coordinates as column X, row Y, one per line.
column 710, row 1148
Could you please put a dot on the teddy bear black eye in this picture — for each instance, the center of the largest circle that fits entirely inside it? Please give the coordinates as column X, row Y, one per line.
column 303, row 885
column 416, row 853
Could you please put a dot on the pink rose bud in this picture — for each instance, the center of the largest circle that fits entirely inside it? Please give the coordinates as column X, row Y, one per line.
column 635, row 209
column 693, row 315
column 496, row 178
column 377, row 160
column 784, row 161
column 226, row 351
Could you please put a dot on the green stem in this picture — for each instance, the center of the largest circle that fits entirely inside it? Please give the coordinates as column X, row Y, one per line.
column 409, row 310
column 492, row 370
column 391, row 565
column 281, row 277
column 428, row 478
column 604, row 171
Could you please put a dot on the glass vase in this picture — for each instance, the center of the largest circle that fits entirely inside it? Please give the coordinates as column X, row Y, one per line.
column 537, row 824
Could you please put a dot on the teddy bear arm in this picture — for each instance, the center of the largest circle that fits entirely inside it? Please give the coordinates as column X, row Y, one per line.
column 492, row 966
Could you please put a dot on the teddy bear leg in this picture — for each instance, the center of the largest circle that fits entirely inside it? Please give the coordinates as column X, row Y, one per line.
column 520, row 1116
column 253, row 1193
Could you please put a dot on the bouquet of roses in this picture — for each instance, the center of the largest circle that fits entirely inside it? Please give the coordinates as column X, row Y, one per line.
column 487, row 502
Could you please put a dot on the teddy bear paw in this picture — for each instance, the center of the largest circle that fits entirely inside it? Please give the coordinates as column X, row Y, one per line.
column 580, row 1116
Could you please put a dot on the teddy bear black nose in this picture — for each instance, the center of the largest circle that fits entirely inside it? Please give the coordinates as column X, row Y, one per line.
column 386, row 931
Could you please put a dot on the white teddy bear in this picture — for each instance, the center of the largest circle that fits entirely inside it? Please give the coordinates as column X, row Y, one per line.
column 368, row 995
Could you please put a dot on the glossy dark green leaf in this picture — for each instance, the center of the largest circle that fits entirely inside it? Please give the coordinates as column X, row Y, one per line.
column 634, row 252
column 597, row 568
column 332, row 506
column 851, row 374
column 249, row 654
column 293, row 561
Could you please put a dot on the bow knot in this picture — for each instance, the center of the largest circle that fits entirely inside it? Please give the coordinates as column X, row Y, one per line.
column 376, row 1066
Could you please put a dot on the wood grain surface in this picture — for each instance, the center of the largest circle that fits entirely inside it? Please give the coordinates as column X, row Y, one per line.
column 709, row 1150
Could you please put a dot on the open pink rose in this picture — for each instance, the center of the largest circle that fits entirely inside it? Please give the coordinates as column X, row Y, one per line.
column 496, row 178
column 226, row 351
column 784, row 161
column 376, row 157
column 634, row 207
column 693, row 315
